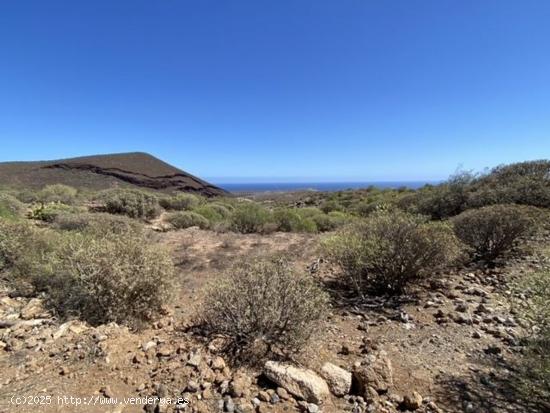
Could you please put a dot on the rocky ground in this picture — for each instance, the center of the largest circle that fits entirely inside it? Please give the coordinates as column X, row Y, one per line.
column 450, row 346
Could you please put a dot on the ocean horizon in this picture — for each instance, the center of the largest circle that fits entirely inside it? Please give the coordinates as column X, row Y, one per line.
column 317, row 186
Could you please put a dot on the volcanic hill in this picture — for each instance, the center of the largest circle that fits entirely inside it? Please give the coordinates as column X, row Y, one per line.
column 105, row 171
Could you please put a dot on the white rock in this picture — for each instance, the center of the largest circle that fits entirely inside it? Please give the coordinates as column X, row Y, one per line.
column 338, row 379
column 302, row 383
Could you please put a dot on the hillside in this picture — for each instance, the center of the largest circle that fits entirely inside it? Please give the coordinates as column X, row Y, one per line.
column 105, row 171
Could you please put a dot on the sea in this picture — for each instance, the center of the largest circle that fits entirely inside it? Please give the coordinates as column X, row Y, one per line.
column 317, row 186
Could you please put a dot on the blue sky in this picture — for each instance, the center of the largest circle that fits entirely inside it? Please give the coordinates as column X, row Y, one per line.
column 295, row 90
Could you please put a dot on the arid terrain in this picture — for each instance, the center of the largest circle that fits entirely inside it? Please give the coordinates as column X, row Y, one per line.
column 452, row 341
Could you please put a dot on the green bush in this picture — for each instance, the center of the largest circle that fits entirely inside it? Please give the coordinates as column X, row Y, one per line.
column 130, row 202
column 442, row 201
column 57, row 193
column 99, row 223
column 180, row 202
column 186, row 219
column 524, row 183
column 289, row 220
column 49, row 212
column 211, row 212
column 264, row 305
column 331, row 205
column 249, row 218
column 10, row 207
column 388, row 250
column 492, row 230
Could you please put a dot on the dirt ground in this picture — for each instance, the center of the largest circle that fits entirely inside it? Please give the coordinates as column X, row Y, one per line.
column 454, row 340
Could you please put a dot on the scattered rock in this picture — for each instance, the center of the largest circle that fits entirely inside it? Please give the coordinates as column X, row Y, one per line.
column 302, row 383
column 412, row 401
column 338, row 379
column 376, row 372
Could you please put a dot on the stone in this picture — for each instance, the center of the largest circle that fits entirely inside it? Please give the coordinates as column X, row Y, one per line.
column 376, row 372
column 303, row 383
column 194, row 359
column 33, row 309
column 240, row 386
column 338, row 379
column 282, row 393
column 193, row 386
column 218, row 363
column 412, row 401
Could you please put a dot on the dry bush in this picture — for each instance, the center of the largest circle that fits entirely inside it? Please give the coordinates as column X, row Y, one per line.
column 388, row 250
column 99, row 223
column 10, row 207
column 186, row 219
column 130, row 202
column 57, row 193
column 492, row 230
column 180, row 202
column 263, row 305
column 110, row 278
column 96, row 277
column 534, row 291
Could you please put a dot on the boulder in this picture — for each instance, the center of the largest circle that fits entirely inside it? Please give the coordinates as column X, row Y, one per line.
column 376, row 372
column 338, row 379
column 300, row 382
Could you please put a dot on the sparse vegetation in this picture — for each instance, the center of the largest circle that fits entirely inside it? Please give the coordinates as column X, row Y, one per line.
column 99, row 223
column 10, row 207
column 57, row 193
column 265, row 306
column 388, row 250
column 535, row 368
column 492, row 230
column 131, row 202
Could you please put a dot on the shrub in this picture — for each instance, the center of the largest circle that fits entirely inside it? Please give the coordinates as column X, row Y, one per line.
column 99, row 223
column 131, row 202
column 110, row 278
column 442, row 201
column 388, row 250
column 97, row 277
column 210, row 212
column 27, row 251
column 331, row 205
column 492, row 230
column 290, row 220
column 186, row 219
column 264, row 304
column 525, row 183
column 10, row 207
column 249, row 218
column 534, row 291
column 49, row 212
column 180, row 202
column 57, row 193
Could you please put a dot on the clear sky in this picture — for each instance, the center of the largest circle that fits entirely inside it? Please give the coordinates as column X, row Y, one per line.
column 301, row 89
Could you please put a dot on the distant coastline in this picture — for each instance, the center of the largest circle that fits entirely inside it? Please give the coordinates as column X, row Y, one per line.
column 317, row 186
